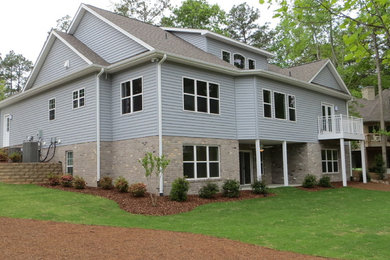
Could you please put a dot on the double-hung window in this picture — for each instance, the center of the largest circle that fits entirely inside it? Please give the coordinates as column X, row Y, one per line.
column 200, row 162
column 52, row 109
column 291, row 108
column 226, row 56
column 330, row 163
column 267, row 101
column 131, row 96
column 78, row 98
column 69, row 162
column 200, row 96
column 280, row 105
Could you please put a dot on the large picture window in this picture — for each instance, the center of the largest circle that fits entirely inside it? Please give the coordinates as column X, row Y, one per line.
column 200, row 162
column 330, row 163
column 131, row 96
column 239, row 61
column 52, row 109
column 267, row 101
column 78, row 98
column 200, row 96
column 280, row 105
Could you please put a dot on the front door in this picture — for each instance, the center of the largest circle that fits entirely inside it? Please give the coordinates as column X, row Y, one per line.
column 327, row 117
column 245, row 167
column 6, row 130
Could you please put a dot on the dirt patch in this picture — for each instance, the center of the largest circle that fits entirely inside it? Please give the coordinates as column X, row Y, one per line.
column 32, row 239
column 164, row 206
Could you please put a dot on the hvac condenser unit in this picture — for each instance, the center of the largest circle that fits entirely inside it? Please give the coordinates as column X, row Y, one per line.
column 30, row 152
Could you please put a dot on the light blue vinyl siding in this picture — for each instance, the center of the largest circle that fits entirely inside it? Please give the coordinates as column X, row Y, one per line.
column 215, row 47
column 308, row 108
column 70, row 125
column 142, row 123
column 326, row 78
column 246, row 107
column 194, row 38
column 177, row 122
column 105, row 108
column 53, row 67
column 105, row 40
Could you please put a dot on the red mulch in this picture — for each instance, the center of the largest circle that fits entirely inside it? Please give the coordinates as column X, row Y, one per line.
column 164, row 206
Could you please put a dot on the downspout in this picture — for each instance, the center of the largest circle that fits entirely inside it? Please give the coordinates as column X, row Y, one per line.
column 98, row 125
column 160, row 144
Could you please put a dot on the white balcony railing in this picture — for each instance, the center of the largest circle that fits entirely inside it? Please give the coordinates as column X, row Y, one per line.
column 340, row 126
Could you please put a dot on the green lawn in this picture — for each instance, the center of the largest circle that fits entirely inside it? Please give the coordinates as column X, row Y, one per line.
column 342, row 223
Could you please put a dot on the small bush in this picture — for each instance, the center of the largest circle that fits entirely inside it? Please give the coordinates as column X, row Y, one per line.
column 259, row 187
column 137, row 189
column 179, row 189
column 54, row 179
column 367, row 175
column 121, row 184
column 3, row 156
column 15, row 157
column 79, row 182
column 66, row 180
column 106, row 183
column 208, row 191
column 324, row 182
column 231, row 189
column 310, row 181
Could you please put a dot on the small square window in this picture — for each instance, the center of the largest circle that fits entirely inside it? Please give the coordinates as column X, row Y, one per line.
column 251, row 64
column 131, row 96
column 226, row 56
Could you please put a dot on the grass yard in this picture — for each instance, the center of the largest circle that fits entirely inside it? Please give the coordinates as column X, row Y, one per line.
column 341, row 223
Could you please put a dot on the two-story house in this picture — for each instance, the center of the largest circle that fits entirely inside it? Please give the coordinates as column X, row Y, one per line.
column 113, row 88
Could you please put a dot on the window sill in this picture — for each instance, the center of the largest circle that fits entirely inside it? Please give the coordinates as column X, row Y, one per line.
column 204, row 179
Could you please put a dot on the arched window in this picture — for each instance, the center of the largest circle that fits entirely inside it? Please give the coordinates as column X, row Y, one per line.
column 239, row 61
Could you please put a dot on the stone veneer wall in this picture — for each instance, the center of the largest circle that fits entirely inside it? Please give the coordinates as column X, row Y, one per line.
column 26, row 173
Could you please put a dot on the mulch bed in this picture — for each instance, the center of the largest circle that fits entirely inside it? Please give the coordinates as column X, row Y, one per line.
column 164, row 206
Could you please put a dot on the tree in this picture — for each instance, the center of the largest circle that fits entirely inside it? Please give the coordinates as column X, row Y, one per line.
column 3, row 90
column 63, row 23
column 197, row 14
column 14, row 69
column 143, row 10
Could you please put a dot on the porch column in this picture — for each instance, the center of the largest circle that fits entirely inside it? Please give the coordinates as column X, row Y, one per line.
column 343, row 167
column 363, row 156
column 258, row 160
column 285, row 165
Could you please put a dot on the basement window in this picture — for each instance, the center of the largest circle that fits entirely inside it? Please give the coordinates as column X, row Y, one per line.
column 330, row 162
column 69, row 162
column 200, row 162
column 131, row 96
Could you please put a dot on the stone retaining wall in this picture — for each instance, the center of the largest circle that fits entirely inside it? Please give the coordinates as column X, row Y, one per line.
column 27, row 173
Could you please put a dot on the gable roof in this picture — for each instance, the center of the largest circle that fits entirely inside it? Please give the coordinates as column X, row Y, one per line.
column 370, row 109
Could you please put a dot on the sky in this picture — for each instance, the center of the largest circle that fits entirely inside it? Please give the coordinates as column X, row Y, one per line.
column 24, row 24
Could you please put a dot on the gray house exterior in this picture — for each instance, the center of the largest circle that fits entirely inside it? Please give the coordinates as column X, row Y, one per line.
column 113, row 88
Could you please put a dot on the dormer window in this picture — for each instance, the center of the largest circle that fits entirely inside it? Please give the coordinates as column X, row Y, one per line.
column 239, row 61
column 226, row 56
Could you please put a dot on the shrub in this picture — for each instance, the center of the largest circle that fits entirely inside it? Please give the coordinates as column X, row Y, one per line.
column 66, row 180
column 3, row 156
column 231, row 189
column 137, row 189
column 79, row 182
column 15, row 157
column 259, row 187
column 105, row 183
column 121, row 184
column 54, row 179
column 310, row 181
column 179, row 189
column 208, row 191
column 367, row 175
column 379, row 167
column 324, row 182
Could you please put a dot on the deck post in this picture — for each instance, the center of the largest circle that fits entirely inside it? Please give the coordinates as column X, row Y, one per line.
column 285, row 164
column 363, row 156
column 343, row 166
column 258, row 160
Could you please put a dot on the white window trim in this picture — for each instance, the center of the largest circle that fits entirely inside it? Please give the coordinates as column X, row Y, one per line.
column 207, row 163
column 196, row 94
column 49, row 109
column 254, row 63
column 131, row 96
column 66, row 162
column 326, row 161
column 78, row 98
column 230, row 55
column 285, row 106
column 273, row 106
column 294, row 108
column 264, row 103
column 245, row 59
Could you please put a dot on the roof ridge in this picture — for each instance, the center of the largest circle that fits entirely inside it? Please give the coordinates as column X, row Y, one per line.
column 317, row 61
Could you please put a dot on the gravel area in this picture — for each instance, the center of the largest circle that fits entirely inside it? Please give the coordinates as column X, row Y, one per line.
column 32, row 239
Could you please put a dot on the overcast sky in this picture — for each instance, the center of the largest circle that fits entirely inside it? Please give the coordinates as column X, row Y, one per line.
column 24, row 23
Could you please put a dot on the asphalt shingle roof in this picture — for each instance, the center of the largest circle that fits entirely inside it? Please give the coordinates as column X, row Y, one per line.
column 369, row 109
column 303, row 72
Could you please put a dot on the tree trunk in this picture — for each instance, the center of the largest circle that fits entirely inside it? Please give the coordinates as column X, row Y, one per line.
column 382, row 119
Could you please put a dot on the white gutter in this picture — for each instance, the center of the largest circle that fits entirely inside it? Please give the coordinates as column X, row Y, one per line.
column 98, row 124
column 160, row 144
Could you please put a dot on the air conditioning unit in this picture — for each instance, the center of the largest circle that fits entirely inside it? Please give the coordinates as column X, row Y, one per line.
column 30, row 152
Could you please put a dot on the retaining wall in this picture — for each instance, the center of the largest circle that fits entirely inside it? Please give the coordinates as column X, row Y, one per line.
column 26, row 173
